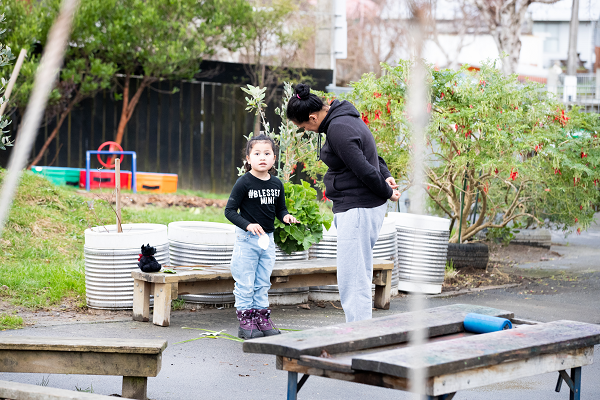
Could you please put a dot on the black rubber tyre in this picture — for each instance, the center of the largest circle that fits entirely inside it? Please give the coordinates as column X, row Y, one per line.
column 475, row 255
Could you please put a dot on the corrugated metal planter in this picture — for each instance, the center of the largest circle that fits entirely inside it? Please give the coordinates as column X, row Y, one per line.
column 202, row 243
column 422, row 249
column 110, row 257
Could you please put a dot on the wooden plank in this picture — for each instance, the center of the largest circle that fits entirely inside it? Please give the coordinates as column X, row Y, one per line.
column 135, row 387
column 482, row 350
column 141, row 300
column 24, row 391
column 79, row 362
column 371, row 333
column 383, row 290
column 366, row 378
column 97, row 345
column 289, row 268
column 509, row 371
column 162, row 304
column 343, row 362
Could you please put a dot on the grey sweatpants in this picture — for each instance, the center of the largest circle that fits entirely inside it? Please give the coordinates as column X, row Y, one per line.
column 357, row 232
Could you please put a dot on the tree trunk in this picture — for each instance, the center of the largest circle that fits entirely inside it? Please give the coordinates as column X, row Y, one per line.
column 63, row 115
column 505, row 19
column 130, row 104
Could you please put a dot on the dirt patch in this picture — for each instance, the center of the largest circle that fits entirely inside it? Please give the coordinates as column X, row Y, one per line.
column 520, row 254
column 470, row 278
column 158, row 200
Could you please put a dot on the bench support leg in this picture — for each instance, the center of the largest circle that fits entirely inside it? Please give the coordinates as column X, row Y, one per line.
column 141, row 300
column 573, row 381
column 162, row 304
column 135, row 387
column 383, row 289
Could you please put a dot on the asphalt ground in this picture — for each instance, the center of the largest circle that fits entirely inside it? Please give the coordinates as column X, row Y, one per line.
column 567, row 288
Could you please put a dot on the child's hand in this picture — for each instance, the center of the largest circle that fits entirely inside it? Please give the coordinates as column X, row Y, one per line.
column 256, row 229
column 289, row 219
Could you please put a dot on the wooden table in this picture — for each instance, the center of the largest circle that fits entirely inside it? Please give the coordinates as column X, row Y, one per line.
column 204, row 279
column 375, row 352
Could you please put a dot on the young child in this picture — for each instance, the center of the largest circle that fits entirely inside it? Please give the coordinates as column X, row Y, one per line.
column 260, row 197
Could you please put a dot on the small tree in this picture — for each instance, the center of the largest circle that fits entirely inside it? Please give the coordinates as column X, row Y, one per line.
column 509, row 144
column 504, row 19
column 163, row 39
column 294, row 147
column 274, row 35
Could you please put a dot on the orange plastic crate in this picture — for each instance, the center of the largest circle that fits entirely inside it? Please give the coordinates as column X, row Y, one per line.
column 156, row 182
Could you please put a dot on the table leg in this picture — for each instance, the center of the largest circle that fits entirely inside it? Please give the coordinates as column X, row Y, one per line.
column 292, row 389
column 162, row 304
column 135, row 387
column 576, row 378
column 383, row 289
column 141, row 300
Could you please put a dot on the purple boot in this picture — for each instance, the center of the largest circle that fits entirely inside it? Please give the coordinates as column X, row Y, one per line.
column 265, row 324
column 248, row 328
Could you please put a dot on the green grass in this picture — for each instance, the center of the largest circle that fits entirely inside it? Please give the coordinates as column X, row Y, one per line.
column 8, row 321
column 42, row 243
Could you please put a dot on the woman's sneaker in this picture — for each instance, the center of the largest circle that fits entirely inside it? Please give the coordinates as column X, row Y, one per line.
column 248, row 328
column 264, row 322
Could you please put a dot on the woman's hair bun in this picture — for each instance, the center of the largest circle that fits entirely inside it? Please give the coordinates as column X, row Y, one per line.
column 302, row 90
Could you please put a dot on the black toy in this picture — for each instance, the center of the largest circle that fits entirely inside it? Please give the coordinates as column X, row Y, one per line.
column 147, row 262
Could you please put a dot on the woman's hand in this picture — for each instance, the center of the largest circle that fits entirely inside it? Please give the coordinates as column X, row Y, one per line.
column 256, row 229
column 290, row 219
column 392, row 182
column 395, row 195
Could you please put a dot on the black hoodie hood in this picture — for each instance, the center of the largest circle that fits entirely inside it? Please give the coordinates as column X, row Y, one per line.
column 338, row 109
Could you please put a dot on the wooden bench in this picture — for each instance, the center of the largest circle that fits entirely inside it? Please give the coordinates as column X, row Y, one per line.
column 217, row 279
column 133, row 359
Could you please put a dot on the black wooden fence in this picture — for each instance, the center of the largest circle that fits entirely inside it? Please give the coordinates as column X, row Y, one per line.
column 197, row 133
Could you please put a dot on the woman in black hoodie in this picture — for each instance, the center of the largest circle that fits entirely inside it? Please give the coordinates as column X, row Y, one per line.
column 358, row 183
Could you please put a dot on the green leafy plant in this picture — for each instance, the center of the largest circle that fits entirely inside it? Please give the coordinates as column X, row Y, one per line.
column 178, row 304
column 300, row 202
column 508, row 144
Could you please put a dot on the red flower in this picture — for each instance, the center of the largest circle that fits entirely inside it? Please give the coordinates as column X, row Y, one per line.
column 537, row 148
column 583, row 154
column 547, row 189
column 365, row 118
column 576, row 220
column 294, row 168
column 578, row 230
column 557, row 171
column 377, row 115
column 442, row 96
column 324, row 197
column 376, row 94
column 513, row 175
column 467, row 134
column 389, row 110
column 496, row 171
column 581, row 207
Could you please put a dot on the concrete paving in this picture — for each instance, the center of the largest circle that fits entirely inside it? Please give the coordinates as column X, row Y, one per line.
column 218, row 369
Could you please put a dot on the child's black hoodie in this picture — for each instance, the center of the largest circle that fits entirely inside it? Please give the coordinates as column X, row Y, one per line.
column 356, row 175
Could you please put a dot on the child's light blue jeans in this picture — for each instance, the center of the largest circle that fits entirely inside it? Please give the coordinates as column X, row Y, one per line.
column 251, row 268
